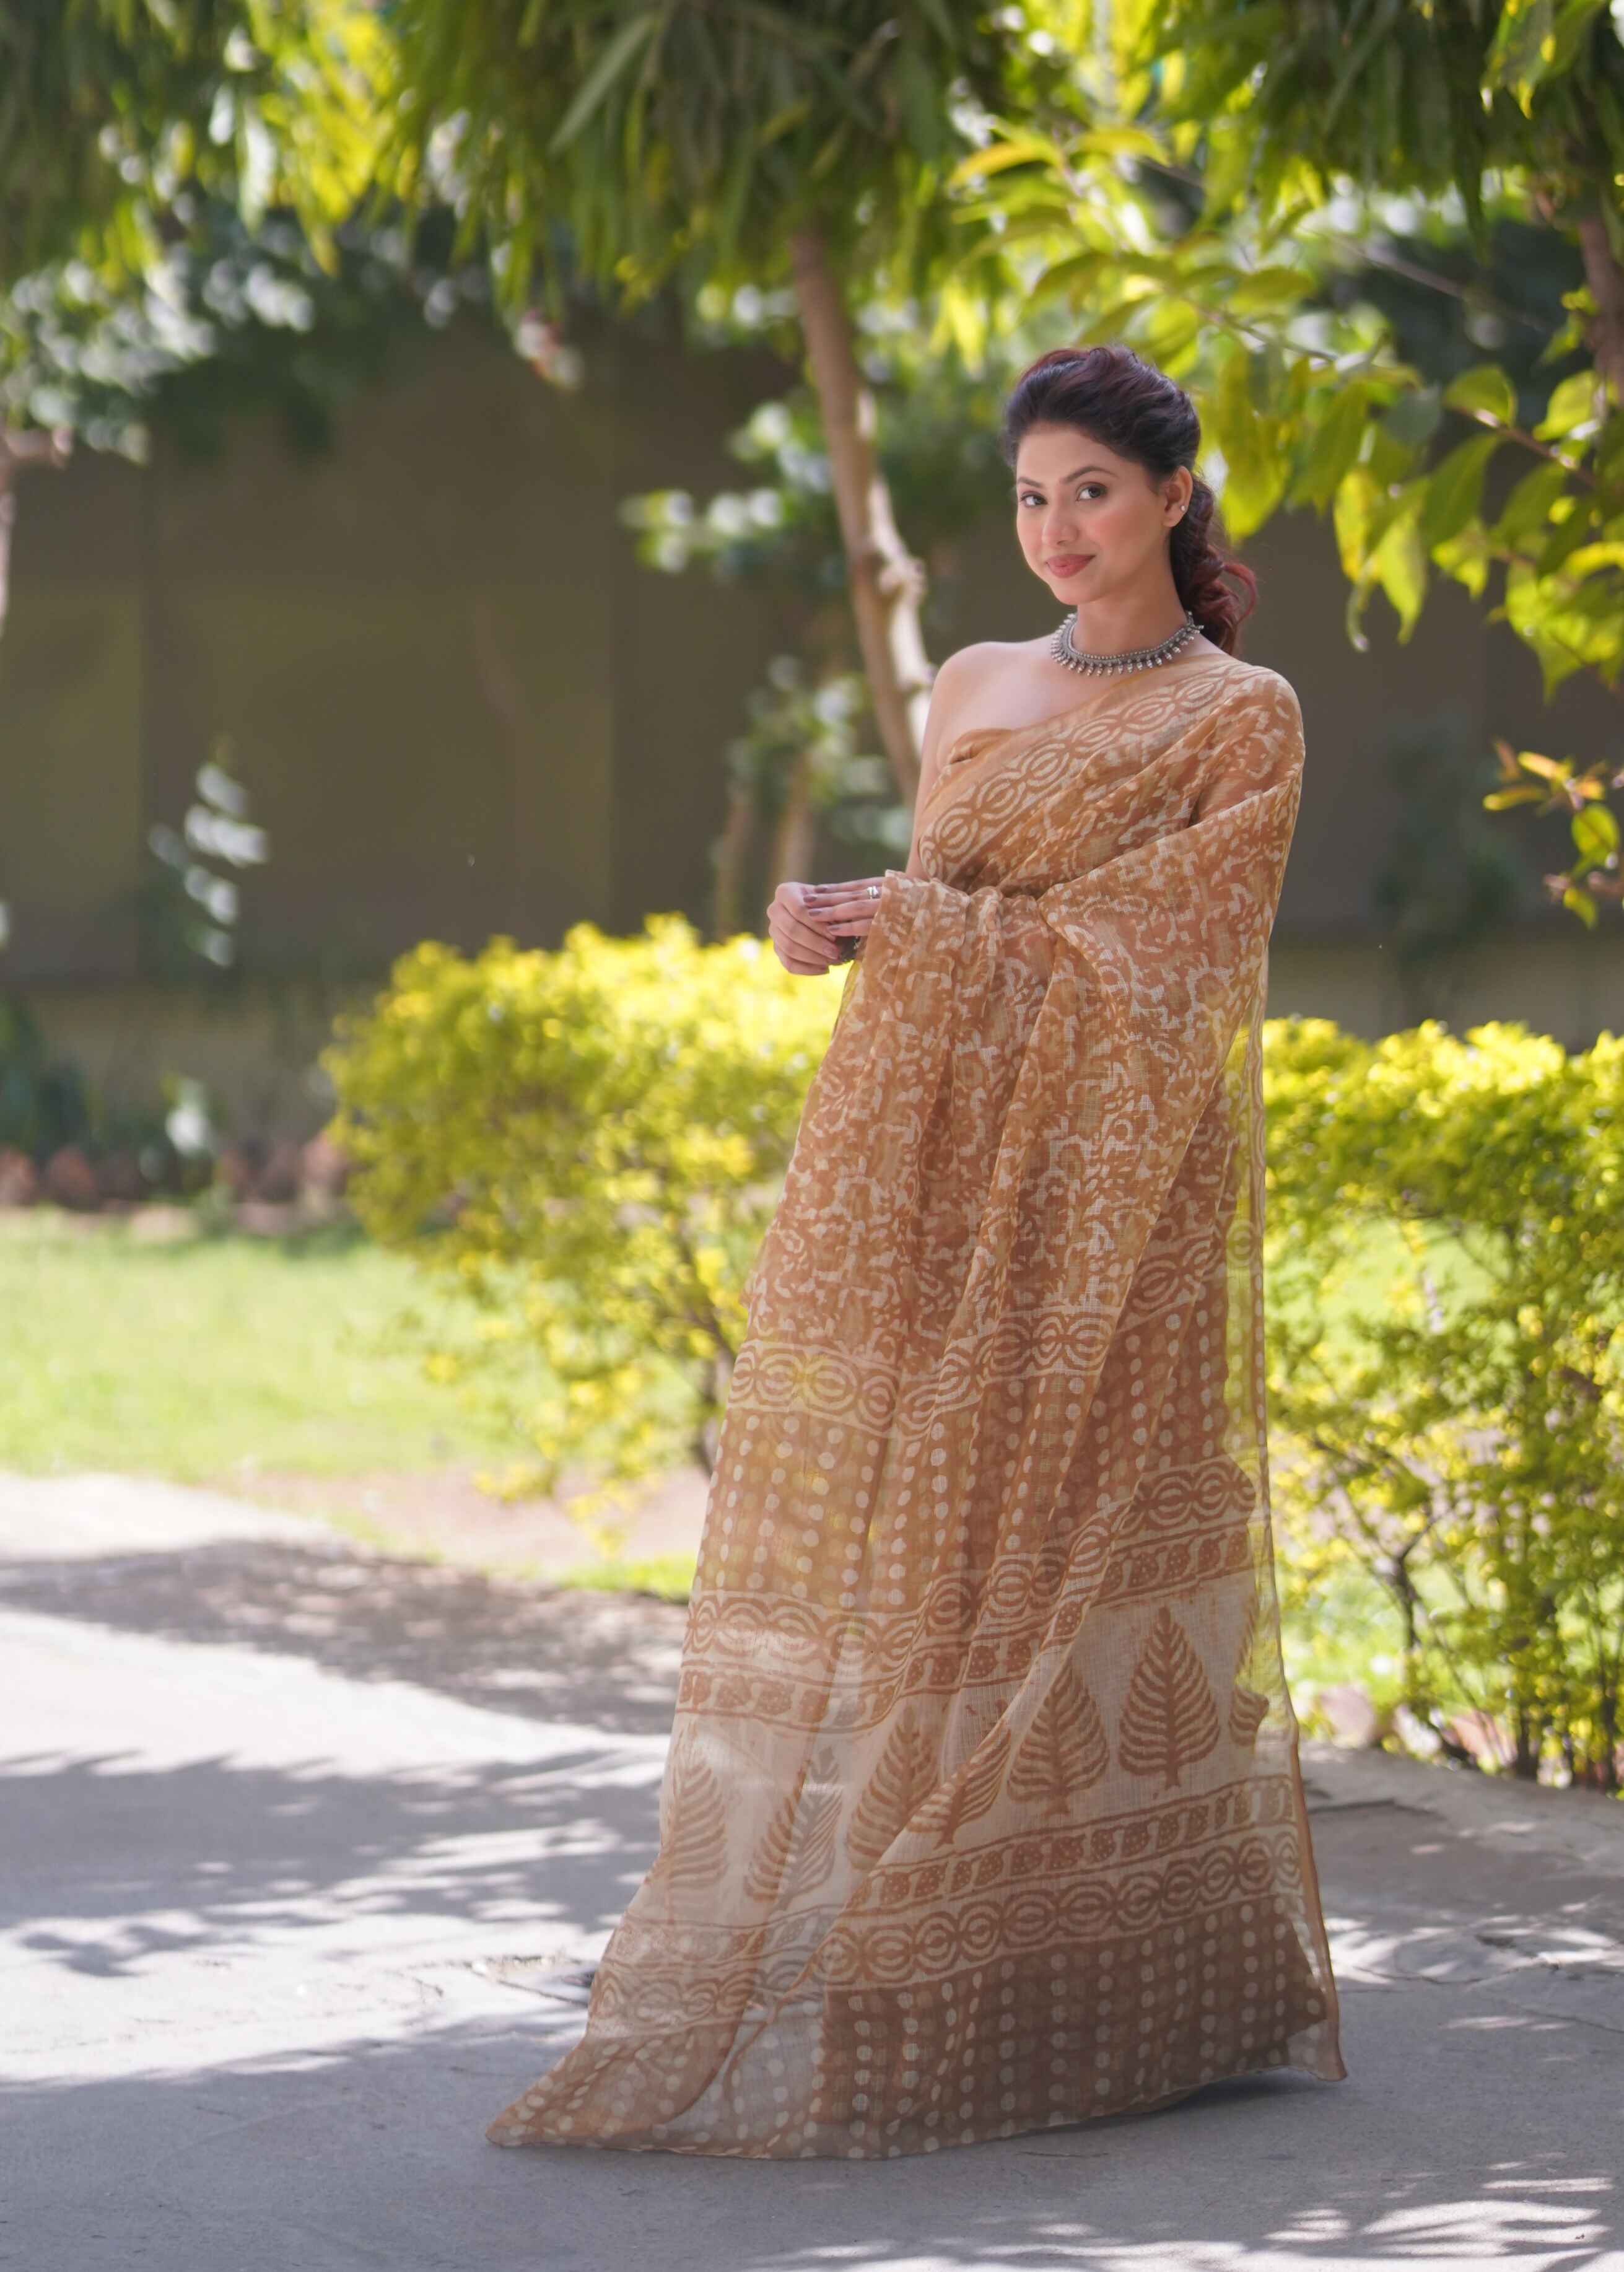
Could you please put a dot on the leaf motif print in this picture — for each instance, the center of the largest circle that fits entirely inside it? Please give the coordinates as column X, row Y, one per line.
column 820, row 1824
column 1247, row 1713
column 1064, row 1751
column 900, row 1780
column 971, row 1792
column 796, row 1852
column 1248, row 1709
column 1168, row 1718
column 767, row 1864
column 693, row 1849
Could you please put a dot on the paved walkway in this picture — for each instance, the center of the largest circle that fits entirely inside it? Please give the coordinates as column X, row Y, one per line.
column 295, row 1837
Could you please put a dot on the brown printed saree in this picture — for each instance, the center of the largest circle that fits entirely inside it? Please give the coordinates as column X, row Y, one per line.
column 982, row 1812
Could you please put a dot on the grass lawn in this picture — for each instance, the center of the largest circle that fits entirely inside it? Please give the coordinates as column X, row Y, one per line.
column 208, row 1358
column 193, row 1358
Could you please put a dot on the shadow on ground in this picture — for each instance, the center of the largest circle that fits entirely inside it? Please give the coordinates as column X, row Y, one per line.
column 502, row 1644
column 373, row 2154
column 114, row 1863
column 271, row 1806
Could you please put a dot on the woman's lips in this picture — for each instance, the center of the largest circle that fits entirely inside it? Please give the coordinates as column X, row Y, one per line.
column 1067, row 563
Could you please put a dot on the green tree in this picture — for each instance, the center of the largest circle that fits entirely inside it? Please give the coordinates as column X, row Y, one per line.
column 801, row 770
column 118, row 114
column 111, row 105
column 807, row 146
column 1260, row 146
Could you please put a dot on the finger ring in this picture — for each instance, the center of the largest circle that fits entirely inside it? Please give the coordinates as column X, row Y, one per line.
column 873, row 891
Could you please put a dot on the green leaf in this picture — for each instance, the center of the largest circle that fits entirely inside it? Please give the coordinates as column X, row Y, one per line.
column 1574, row 403
column 1455, row 489
column 1068, row 277
column 1028, row 150
column 1579, row 903
column 1414, row 418
column 1483, row 391
column 1256, row 465
column 1569, row 537
column 1353, row 616
column 628, row 42
column 1357, row 497
column 1528, row 505
column 1537, row 40
column 1333, row 447
column 1258, row 291
column 1595, row 835
column 1467, row 558
column 1399, row 566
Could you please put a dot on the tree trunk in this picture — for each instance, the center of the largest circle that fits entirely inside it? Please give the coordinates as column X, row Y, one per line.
column 1606, row 278
column 887, row 583
column 795, row 838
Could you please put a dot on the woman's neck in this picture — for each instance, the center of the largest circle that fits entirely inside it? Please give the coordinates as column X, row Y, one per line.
column 1122, row 620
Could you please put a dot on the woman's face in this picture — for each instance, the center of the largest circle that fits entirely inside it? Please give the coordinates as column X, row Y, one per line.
column 1090, row 523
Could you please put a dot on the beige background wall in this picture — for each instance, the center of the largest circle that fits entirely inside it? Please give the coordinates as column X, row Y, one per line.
column 461, row 706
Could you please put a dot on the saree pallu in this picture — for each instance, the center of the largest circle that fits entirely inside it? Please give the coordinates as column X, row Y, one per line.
column 983, row 1812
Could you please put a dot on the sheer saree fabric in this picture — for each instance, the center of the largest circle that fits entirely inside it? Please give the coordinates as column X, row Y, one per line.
column 982, row 1813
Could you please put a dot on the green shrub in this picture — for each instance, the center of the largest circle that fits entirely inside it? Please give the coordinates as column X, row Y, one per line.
column 592, row 1142
column 1452, row 1419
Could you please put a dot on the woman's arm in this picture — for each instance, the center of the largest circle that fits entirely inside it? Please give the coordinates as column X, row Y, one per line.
column 953, row 685
column 850, row 906
column 961, row 684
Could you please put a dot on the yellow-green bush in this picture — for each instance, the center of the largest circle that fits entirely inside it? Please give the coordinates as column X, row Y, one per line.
column 591, row 1141
column 1453, row 1422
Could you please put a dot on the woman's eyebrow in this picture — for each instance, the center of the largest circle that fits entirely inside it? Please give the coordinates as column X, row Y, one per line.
column 1031, row 483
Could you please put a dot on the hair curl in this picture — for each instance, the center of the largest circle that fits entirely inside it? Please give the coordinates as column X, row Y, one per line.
column 1116, row 396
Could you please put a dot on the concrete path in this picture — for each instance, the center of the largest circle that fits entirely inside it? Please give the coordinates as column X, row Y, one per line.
column 296, row 1838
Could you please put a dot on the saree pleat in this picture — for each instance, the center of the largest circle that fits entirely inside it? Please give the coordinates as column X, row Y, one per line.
column 982, row 1811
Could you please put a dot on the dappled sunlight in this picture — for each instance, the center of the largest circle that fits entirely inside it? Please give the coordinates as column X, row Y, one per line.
column 386, row 2135
column 485, row 1641
column 299, row 1840
column 214, row 1855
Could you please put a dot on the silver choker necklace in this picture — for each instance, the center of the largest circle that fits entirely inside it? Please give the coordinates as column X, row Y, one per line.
column 1134, row 658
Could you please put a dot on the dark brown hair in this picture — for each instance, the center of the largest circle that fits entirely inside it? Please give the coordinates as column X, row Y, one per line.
column 1116, row 396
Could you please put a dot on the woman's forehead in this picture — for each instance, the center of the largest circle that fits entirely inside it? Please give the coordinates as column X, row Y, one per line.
column 1064, row 448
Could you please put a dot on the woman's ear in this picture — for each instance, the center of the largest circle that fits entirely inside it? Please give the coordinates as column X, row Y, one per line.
column 1176, row 496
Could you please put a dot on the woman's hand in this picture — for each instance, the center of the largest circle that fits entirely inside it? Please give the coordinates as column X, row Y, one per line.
column 808, row 923
column 805, row 942
column 849, row 909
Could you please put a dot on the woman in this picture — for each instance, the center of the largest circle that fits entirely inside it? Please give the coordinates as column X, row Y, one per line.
column 983, row 1811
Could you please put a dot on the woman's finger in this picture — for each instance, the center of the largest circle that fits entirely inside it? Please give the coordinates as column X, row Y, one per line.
column 843, row 888
column 805, row 937
column 800, row 908
column 855, row 903
column 837, row 901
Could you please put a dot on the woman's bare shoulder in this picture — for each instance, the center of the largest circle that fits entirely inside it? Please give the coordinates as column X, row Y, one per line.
column 971, row 674
column 982, row 661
